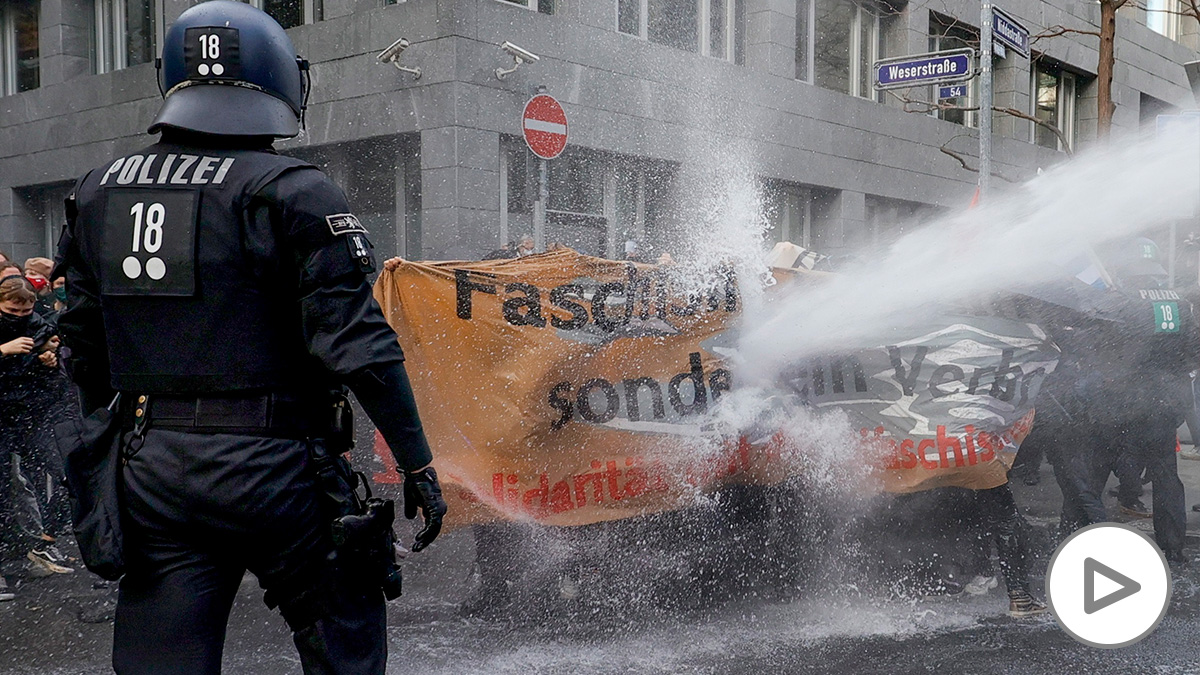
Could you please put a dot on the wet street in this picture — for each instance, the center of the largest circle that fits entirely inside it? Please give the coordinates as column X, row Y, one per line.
column 62, row 625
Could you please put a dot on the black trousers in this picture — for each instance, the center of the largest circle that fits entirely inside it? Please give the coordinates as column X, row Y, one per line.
column 1002, row 521
column 1115, row 454
column 1151, row 440
column 40, row 463
column 199, row 511
column 17, row 426
column 1072, row 455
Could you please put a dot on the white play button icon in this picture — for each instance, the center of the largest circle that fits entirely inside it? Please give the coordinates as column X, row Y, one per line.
column 1108, row 585
column 1092, row 602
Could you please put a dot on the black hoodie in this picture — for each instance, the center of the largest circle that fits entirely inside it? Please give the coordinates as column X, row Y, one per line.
column 22, row 374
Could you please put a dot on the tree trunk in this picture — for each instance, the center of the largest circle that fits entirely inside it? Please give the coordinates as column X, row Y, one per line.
column 1104, row 68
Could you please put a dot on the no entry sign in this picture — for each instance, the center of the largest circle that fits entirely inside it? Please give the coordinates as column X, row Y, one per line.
column 545, row 126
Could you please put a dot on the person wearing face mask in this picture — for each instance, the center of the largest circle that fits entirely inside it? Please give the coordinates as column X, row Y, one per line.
column 50, row 402
column 27, row 359
column 60, row 293
column 37, row 272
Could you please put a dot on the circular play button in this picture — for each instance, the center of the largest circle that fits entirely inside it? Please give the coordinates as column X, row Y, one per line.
column 1108, row 585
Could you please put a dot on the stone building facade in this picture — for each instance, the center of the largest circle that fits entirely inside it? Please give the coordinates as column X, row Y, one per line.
column 437, row 168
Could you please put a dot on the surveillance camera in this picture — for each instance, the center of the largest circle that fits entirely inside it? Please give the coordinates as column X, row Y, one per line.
column 518, row 53
column 392, row 55
column 393, row 51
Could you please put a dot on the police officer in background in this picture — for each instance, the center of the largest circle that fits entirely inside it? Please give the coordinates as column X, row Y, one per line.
column 222, row 289
column 1147, row 391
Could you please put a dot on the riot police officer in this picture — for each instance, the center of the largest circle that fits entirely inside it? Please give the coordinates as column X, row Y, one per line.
column 222, row 290
column 1148, row 388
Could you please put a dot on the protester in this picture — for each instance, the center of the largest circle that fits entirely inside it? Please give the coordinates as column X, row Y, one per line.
column 60, row 293
column 1028, row 464
column 1002, row 524
column 39, row 268
column 1128, row 467
column 27, row 361
column 508, row 250
column 38, row 272
column 632, row 250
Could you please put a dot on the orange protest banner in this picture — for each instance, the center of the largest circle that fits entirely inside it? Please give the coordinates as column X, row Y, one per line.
column 570, row 390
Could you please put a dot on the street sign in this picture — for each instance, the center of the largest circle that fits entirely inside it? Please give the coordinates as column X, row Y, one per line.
column 953, row 91
column 545, row 126
column 1010, row 32
column 909, row 71
column 1186, row 122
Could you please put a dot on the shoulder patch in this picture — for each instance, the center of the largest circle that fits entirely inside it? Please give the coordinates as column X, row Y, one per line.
column 344, row 223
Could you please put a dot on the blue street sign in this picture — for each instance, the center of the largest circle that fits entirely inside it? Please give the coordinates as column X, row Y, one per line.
column 935, row 68
column 1186, row 123
column 1009, row 31
column 953, row 91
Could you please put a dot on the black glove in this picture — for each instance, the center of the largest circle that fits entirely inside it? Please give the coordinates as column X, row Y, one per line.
column 421, row 489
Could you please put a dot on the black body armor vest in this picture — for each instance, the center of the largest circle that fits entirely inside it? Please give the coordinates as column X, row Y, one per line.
column 190, row 298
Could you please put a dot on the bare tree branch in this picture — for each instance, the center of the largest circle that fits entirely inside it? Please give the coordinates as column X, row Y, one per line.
column 962, row 161
column 1062, row 138
column 1058, row 31
column 925, row 107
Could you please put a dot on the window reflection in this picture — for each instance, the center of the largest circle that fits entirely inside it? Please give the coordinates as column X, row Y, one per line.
column 20, row 56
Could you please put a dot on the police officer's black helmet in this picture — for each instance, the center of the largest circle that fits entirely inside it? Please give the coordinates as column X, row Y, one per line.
column 230, row 69
column 1140, row 258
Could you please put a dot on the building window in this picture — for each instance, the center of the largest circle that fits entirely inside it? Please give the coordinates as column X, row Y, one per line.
column 1053, row 91
column 575, row 212
column 788, row 210
column 846, row 43
column 44, row 207
column 19, row 55
column 539, row 6
column 642, row 207
column 947, row 33
column 1149, row 108
column 124, row 33
column 888, row 219
column 291, row 13
column 674, row 23
column 1162, row 16
column 804, row 41
column 382, row 181
column 709, row 27
column 517, row 190
column 598, row 202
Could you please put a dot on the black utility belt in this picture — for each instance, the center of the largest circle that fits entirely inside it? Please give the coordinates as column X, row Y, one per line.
column 242, row 414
